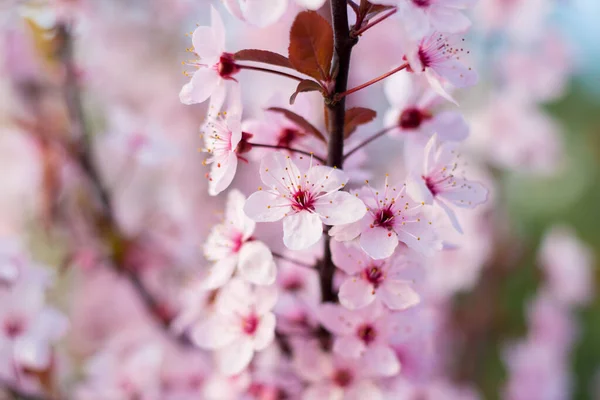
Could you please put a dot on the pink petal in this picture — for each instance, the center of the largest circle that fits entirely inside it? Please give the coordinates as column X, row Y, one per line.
column 363, row 390
column 326, row 179
column 356, row 293
column 448, row 20
column 263, row 206
column 450, row 125
column 346, row 232
column 206, row 46
column 263, row 12
column 234, row 213
column 201, row 86
column 340, row 208
column 457, row 73
column 349, row 346
column 235, row 357
column 302, row 230
column 265, row 332
column 265, row 298
column 214, row 332
column 337, row 319
column 378, row 242
column 323, row 391
column 465, row 194
column 222, row 174
column 348, row 257
column 218, row 29
column 451, row 215
column 280, row 173
column 311, row 4
column 219, row 273
column 256, row 263
column 380, row 360
column 436, row 85
column 398, row 295
column 417, row 189
column 32, row 353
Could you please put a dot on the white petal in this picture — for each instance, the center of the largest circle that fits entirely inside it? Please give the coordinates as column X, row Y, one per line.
column 266, row 297
column 349, row 257
column 265, row 332
column 218, row 28
column 222, row 175
column 263, row 206
column 234, row 213
column 363, row 390
column 465, row 194
column 336, row 319
column 323, row 391
column 346, row 232
column 417, row 189
column 206, row 46
column 280, row 173
column 451, row 215
column 311, row 4
column 235, row 357
column 326, row 179
column 378, row 242
column 449, row 125
column 457, row 73
column 398, row 295
column 356, row 293
column 219, row 273
column 302, row 230
column 256, row 264
column 214, row 332
column 31, row 352
column 263, row 12
column 448, row 20
column 436, row 84
column 399, row 90
column 380, row 360
column 340, row 208
column 349, row 346
column 201, row 86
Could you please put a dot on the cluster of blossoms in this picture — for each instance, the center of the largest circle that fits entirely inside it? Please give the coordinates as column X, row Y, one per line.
column 330, row 268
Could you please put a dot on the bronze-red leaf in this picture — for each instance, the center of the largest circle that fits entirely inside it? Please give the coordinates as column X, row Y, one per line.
column 300, row 121
column 357, row 116
column 263, row 56
column 306, row 85
column 311, row 45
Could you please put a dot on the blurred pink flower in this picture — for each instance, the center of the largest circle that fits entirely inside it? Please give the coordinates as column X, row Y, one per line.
column 262, row 13
column 370, row 279
column 304, row 200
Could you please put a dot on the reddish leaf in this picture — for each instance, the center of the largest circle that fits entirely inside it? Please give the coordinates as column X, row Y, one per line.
column 357, row 116
column 300, row 121
column 263, row 56
column 311, row 45
column 306, row 85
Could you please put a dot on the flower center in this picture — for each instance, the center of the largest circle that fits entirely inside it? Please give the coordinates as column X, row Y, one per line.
column 13, row 327
column 303, row 200
column 294, row 284
column 250, row 324
column 384, row 218
column 227, row 66
column 367, row 333
column 288, row 136
column 374, row 275
column 422, row 3
column 431, row 185
column 342, row 377
column 412, row 118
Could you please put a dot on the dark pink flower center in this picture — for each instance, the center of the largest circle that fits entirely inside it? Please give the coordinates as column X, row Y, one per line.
column 432, row 185
column 288, row 136
column 367, row 333
column 13, row 327
column 303, row 200
column 422, row 3
column 227, row 66
column 373, row 275
column 384, row 218
column 250, row 324
column 293, row 284
column 412, row 118
column 343, row 377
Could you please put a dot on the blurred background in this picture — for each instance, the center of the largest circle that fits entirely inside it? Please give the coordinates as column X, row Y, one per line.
column 535, row 119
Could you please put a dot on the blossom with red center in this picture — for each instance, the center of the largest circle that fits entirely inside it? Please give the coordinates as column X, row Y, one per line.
column 223, row 140
column 436, row 179
column 362, row 334
column 241, row 324
column 392, row 217
column 439, row 59
column 305, row 201
column 231, row 247
column 370, row 279
column 213, row 66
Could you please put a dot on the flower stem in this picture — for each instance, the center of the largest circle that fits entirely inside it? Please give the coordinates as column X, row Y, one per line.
column 272, row 146
column 372, row 24
column 340, row 96
column 368, row 140
column 271, row 71
column 293, row 261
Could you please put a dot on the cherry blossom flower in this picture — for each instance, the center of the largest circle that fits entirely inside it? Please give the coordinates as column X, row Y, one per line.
column 214, row 65
column 370, row 279
column 435, row 179
column 230, row 246
column 241, row 324
column 334, row 377
column 362, row 334
column 567, row 263
column 224, row 141
column 439, row 59
column 262, row 13
column 392, row 217
column 12, row 261
column 420, row 16
column 413, row 114
column 303, row 200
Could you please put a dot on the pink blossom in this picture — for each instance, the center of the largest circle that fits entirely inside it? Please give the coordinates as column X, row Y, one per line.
column 362, row 334
column 230, row 246
column 214, row 65
column 392, row 217
column 419, row 17
column 370, row 279
column 439, row 59
column 262, row 13
column 414, row 116
column 333, row 377
column 223, row 140
column 241, row 324
column 568, row 266
column 303, row 200
column 436, row 178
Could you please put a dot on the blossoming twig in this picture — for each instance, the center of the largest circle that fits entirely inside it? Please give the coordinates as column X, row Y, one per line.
column 362, row 30
column 272, row 146
column 340, row 96
column 368, row 140
column 294, row 261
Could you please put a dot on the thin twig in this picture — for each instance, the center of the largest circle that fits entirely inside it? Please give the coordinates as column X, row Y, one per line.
column 368, row 140
column 372, row 24
column 276, row 147
column 340, row 96
column 294, row 261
